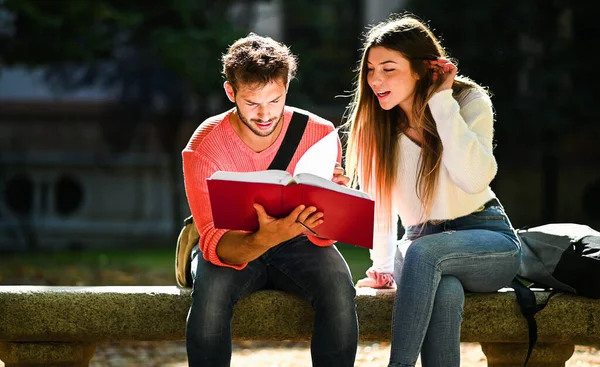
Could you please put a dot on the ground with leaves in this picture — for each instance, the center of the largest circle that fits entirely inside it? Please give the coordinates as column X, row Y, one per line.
column 257, row 354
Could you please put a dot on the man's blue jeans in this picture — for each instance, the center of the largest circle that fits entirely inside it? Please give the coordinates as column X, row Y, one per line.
column 319, row 274
column 477, row 253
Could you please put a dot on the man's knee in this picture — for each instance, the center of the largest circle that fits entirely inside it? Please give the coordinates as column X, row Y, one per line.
column 337, row 294
column 213, row 279
column 210, row 314
column 214, row 294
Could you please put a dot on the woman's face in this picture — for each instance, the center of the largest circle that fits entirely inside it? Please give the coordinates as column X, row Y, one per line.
column 391, row 78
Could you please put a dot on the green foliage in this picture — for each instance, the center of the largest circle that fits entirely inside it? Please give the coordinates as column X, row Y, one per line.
column 146, row 266
column 325, row 37
column 357, row 258
column 191, row 53
column 183, row 34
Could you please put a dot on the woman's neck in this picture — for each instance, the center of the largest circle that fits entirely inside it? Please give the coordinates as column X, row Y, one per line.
column 408, row 122
column 406, row 107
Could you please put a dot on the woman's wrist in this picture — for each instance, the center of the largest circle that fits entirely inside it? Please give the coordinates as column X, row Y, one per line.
column 381, row 280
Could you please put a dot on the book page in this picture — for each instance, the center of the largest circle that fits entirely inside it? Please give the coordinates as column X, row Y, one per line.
column 312, row 180
column 320, row 159
column 268, row 176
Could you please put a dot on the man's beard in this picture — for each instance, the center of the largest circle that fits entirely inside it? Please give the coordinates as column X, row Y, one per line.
column 276, row 121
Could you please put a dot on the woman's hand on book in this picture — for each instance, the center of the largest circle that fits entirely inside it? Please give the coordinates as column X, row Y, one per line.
column 277, row 230
column 338, row 175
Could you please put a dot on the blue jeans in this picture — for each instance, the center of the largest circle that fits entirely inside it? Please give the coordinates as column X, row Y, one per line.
column 319, row 274
column 477, row 253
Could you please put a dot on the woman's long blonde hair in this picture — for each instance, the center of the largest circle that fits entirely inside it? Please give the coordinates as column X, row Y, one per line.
column 372, row 151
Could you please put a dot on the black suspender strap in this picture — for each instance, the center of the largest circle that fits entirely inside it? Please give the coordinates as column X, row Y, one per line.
column 290, row 141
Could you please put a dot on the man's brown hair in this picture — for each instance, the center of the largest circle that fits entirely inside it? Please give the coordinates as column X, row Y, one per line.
column 258, row 60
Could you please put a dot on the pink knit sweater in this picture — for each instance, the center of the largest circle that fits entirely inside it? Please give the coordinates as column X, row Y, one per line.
column 215, row 146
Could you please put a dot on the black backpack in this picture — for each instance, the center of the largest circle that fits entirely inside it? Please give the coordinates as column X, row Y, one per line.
column 559, row 257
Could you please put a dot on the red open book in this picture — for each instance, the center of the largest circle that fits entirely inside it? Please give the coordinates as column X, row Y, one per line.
column 348, row 213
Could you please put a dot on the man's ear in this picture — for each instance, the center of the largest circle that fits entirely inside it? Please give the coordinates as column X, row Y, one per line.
column 229, row 91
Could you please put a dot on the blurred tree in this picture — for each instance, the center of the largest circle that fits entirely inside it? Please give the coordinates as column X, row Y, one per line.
column 530, row 54
column 161, row 58
column 325, row 35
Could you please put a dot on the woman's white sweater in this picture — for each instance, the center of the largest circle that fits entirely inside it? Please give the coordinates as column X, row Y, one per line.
column 467, row 168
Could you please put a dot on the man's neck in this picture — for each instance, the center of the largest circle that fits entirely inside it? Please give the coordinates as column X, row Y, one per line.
column 253, row 141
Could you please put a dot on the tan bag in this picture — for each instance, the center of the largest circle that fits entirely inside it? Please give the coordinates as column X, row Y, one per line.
column 188, row 238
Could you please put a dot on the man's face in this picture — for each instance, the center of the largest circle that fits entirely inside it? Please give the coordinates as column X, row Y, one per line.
column 259, row 107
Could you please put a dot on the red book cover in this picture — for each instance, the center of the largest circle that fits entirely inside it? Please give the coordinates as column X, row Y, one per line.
column 348, row 213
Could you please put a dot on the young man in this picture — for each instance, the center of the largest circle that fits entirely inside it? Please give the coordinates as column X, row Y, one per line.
column 279, row 254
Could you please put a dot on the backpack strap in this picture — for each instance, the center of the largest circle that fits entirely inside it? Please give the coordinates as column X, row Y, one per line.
column 290, row 141
column 188, row 220
column 529, row 307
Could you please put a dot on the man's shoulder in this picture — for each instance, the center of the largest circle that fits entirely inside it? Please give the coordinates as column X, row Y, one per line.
column 206, row 130
column 213, row 122
column 313, row 118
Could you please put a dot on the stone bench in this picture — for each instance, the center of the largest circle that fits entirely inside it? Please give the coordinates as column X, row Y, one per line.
column 60, row 326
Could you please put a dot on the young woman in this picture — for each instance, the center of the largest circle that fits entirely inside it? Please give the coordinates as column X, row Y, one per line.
column 420, row 142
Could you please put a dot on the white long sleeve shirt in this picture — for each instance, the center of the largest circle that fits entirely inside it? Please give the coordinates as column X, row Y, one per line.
column 467, row 168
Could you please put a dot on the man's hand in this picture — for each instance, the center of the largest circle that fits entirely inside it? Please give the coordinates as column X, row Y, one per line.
column 237, row 247
column 273, row 231
column 338, row 175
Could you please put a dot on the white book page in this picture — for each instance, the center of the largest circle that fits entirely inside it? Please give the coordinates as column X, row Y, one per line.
column 283, row 178
column 312, row 180
column 320, row 159
column 267, row 176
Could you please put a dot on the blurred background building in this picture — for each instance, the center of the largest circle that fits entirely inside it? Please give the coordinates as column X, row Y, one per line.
column 95, row 109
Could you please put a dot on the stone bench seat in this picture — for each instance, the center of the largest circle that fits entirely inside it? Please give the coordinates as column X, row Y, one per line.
column 47, row 326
